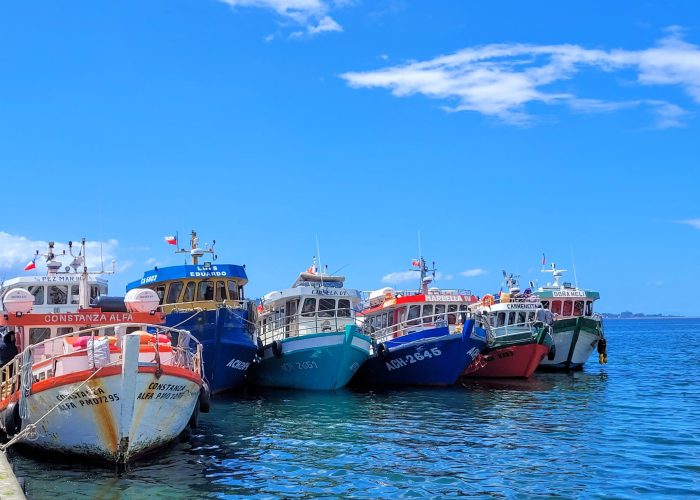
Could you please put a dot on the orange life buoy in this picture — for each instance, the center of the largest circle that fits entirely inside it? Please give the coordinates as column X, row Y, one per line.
column 487, row 300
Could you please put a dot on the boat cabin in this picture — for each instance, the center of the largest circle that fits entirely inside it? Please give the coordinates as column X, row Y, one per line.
column 564, row 300
column 187, row 287
column 391, row 314
column 315, row 303
column 55, row 294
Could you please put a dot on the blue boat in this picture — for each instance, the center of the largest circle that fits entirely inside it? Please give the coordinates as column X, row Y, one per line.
column 208, row 300
column 419, row 338
column 309, row 339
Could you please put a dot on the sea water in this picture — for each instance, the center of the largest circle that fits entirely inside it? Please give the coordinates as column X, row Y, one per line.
column 624, row 429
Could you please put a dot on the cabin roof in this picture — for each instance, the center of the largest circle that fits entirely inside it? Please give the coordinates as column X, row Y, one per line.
column 187, row 271
column 419, row 298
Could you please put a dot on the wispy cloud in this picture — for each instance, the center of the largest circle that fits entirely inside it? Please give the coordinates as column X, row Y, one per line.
column 470, row 273
column 691, row 222
column 311, row 14
column 17, row 250
column 400, row 277
column 501, row 80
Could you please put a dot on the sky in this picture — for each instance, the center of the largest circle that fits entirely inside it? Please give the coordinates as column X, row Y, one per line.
column 484, row 133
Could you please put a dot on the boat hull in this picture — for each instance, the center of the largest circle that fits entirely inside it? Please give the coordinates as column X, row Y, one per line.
column 514, row 361
column 431, row 357
column 322, row 361
column 574, row 339
column 228, row 348
column 109, row 420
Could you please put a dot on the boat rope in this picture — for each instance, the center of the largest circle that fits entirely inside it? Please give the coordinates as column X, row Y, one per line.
column 197, row 311
column 26, row 377
column 30, row 430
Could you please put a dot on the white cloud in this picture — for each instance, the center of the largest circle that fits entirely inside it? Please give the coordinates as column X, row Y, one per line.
column 16, row 251
column 400, row 277
column 312, row 14
column 500, row 80
column 691, row 222
column 470, row 273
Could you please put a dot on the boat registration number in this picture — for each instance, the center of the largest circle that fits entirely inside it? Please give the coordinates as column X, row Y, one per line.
column 299, row 365
column 409, row 359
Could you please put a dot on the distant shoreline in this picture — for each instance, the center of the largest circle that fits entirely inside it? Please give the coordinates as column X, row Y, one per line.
column 656, row 317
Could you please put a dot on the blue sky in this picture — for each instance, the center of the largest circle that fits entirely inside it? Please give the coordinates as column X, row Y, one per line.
column 499, row 130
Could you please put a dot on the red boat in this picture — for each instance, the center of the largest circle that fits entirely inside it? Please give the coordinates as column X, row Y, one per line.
column 518, row 340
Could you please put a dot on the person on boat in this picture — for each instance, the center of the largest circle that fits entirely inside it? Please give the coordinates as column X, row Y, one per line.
column 8, row 348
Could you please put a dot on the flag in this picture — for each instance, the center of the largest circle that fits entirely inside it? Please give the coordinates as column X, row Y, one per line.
column 30, row 266
column 544, row 261
column 171, row 240
column 415, row 263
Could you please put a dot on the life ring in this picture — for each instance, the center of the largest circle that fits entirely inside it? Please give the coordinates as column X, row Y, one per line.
column 277, row 349
column 487, row 300
column 382, row 351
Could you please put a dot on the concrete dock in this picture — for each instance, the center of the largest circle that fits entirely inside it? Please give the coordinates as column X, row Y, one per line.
column 9, row 486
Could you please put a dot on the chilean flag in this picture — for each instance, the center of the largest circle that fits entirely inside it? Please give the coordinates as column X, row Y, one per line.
column 30, row 266
column 415, row 263
column 171, row 240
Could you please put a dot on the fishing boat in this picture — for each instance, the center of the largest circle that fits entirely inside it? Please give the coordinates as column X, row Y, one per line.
column 518, row 339
column 208, row 300
column 308, row 336
column 100, row 384
column 421, row 338
column 576, row 329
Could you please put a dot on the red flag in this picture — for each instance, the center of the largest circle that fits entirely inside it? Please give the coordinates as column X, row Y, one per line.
column 171, row 240
column 30, row 266
column 544, row 261
column 415, row 263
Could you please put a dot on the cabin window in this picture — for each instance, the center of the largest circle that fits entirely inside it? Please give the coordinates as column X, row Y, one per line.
column 545, row 304
column 232, row 290
column 38, row 292
column 343, row 308
column 522, row 317
column 413, row 315
column 240, row 293
column 94, row 292
column 463, row 309
column 566, row 310
column 530, row 317
column 206, row 290
column 589, row 308
column 309, row 307
column 160, row 290
column 36, row 335
column 578, row 308
column 511, row 318
column 401, row 315
column 57, row 294
column 326, row 308
column 174, row 292
column 220, row 291
column 62, row 330
column 451, row 316
column 188, row 296
column 556, row 307
column 74, row 294
column 440, row 312
column 500, row 319
column 428, row 313
column 390, row 319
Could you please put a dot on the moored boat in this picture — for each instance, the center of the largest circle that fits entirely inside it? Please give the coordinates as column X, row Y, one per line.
column 576, row 329
column 518, row 339
column 419, row 337
column 208, row 300
column 308, row 336
column 101, row 384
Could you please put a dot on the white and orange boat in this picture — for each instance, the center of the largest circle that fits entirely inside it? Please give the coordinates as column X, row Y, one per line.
column 103, row 384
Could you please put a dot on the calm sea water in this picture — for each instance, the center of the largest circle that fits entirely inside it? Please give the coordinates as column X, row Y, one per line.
column 625, row 429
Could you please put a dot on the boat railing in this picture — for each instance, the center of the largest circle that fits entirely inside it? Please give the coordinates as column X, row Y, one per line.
column 495, row 333
column 52, row 350
column 271, row 327
column 205, row 304
column 454, row 320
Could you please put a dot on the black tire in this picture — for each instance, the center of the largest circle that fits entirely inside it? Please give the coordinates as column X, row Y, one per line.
column 552, row 352
column 382, row 351
column 194, row 418
column 204, row 400
column 277, row 349
column 12, row 421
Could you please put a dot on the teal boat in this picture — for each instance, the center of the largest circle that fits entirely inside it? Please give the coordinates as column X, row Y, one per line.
column 307, row 335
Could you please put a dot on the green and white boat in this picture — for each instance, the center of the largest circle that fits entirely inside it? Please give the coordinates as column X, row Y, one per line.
column 576, row 329
column 307, row 334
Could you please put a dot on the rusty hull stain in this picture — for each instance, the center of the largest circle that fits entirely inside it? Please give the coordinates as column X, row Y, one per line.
column 107, row 427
